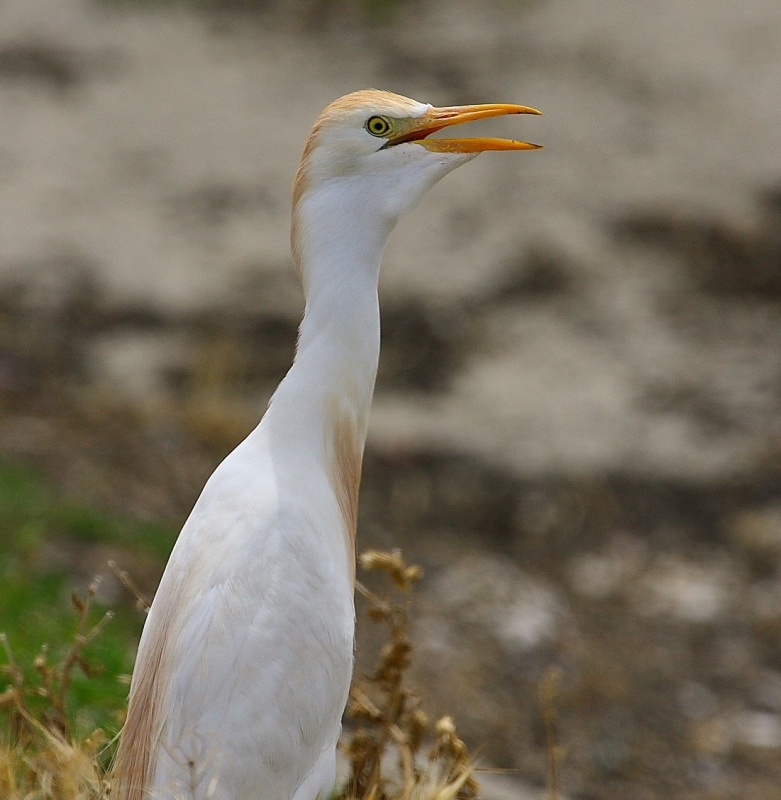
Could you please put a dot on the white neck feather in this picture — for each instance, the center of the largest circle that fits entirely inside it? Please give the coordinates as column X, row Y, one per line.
column 339, row 244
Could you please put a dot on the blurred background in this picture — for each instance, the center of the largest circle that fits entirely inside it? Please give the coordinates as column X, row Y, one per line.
column 576, row 429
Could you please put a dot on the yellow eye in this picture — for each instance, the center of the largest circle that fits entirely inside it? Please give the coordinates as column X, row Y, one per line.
column 378, row 126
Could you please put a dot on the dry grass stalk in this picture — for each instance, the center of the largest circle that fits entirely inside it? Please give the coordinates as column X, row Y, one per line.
column 549, row 689
column 39, row 758
column 389, row 717
column 124, row 577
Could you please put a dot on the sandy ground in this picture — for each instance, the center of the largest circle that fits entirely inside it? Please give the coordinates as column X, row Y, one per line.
column 604, row 312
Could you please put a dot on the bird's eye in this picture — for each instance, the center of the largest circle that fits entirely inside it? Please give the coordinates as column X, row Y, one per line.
column 378, row 126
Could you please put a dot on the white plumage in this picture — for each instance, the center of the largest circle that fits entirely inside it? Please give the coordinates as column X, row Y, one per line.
column 245, row 660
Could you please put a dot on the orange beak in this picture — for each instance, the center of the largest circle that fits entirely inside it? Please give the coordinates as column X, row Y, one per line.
column 416, row 130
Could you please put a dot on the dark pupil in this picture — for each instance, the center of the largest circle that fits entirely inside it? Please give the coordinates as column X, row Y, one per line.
column 378, row 126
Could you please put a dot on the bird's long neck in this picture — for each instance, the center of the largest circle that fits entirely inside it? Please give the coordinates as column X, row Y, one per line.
column 320, row 412
column 332, row 378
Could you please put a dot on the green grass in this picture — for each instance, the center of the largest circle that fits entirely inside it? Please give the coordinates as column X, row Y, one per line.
column 31, row 513
column 37, row 528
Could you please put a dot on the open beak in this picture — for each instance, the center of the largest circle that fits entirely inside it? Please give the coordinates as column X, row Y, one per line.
column 416, row 130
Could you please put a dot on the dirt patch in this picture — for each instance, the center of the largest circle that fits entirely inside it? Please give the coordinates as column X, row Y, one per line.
column 723, row 259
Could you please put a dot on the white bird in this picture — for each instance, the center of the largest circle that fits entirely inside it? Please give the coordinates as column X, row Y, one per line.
column 246, row 656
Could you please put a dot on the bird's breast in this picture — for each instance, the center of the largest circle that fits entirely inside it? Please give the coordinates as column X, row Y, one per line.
column 258, row 634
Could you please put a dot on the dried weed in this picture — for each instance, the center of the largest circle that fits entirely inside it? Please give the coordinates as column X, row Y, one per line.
column 395, row 750
column 39, row 756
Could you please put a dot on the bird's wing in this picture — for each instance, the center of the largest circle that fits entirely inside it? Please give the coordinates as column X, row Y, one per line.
column 244, row 663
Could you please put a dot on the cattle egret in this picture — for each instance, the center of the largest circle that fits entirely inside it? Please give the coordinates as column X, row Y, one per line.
column 246, row 657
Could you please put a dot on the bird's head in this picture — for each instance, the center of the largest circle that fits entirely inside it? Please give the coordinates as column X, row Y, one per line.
column 379, row 141
column 371, row 151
